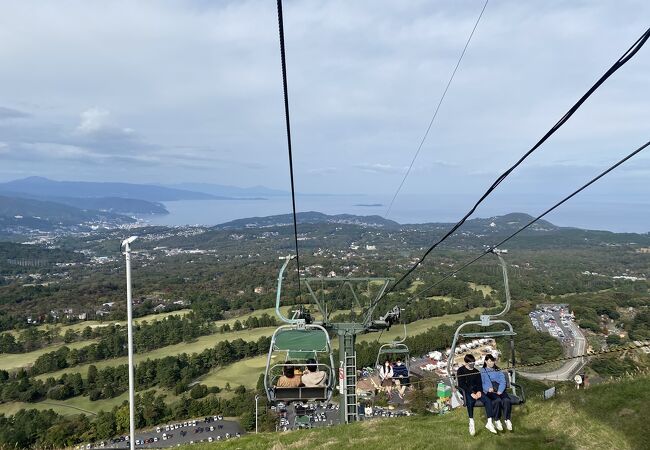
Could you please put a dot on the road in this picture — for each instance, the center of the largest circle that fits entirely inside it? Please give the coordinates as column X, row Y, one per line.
column 571, row 367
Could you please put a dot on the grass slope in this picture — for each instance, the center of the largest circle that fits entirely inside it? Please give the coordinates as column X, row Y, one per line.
column 608, row 416
column 196, row 346
column 10, row 361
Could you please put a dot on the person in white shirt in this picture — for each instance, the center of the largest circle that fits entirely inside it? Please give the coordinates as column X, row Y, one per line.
column 312, row 377
column 386, row 376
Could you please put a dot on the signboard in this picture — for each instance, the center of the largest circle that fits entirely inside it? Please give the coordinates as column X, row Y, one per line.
column 548, row 393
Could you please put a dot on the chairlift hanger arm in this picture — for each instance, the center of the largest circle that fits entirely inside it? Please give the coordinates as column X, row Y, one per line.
column 279, row 291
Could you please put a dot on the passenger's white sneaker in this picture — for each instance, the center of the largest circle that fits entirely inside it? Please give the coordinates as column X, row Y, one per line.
column 490, row 427
column 472, row 428
column 498, row 425
column 509, row 425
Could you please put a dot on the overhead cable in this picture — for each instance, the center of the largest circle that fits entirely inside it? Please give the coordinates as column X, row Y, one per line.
column 617, row 65
column 288, row 122
column 435, row 113
column 565, row 199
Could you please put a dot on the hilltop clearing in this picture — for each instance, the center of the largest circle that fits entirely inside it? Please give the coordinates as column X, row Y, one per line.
column 604, row 417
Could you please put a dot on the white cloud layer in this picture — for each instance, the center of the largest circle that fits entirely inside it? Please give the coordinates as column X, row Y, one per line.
column 191, row 91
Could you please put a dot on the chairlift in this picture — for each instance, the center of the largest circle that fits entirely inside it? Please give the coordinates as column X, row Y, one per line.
column 297, row 342
column 393, row 350
column 516, row 391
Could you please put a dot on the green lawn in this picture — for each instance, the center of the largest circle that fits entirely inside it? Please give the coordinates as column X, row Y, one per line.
column 96, row 323
column 602, row 418
column 9, row 361
column 245, row 372
column 419, row 326
column 77, row 405
column 481, row 287
column 193, row 347
column 414, row 286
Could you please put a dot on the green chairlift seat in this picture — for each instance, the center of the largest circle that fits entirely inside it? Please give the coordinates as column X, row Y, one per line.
column 297, row 344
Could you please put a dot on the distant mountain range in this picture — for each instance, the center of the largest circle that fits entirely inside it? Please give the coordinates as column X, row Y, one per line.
column 310, row 217
column 43, row 187
column 508, row 222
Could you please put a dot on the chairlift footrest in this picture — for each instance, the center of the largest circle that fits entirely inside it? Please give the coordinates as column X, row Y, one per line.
column 488, row 334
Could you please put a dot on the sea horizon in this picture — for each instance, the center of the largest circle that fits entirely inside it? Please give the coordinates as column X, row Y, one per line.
column 615, row 216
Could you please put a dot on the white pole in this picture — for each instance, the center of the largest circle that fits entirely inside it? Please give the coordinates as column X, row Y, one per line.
column 257, row 397
column 129, row 320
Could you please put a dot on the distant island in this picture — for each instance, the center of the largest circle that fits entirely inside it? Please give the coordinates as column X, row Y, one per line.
column 369, row 204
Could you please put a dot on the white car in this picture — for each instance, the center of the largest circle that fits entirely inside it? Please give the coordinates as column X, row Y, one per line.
column 210, row 439
column 158, row 430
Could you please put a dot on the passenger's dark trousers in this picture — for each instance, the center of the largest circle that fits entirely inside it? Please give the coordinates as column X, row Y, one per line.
column 470, row 402
column 505, row 405
column 492, row 404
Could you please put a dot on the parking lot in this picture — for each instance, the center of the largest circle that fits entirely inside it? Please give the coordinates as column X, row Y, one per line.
column 556, row 320
column 205, row 429
column 319, row 414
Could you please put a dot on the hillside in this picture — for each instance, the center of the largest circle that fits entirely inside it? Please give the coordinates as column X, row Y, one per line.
column 46, row 215
column 310, row 217
column 44, row 187
column 607, row 416
column 114, row 204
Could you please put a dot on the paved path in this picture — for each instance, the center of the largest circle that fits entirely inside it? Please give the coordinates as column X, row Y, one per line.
column 571, row 367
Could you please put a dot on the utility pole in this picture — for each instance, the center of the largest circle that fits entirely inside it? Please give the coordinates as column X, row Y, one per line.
column 257, row 397
column 129, row 323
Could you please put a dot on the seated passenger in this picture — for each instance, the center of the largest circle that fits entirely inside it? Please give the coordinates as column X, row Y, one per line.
column 386, row 376
column 494, row 390
column 288, row 379
column 312, row 377
column 400, row 376
column 469, row 380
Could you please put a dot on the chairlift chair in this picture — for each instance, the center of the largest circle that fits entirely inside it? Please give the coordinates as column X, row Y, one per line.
column 516, row 391
column 299, row 343
column 395, row 349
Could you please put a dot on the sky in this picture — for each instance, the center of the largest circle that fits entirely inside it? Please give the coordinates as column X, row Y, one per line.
column 191, row 91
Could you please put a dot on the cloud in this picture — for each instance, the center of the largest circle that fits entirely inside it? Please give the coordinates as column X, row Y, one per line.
column 193, row 91
column 380, row 168
column 9, row 113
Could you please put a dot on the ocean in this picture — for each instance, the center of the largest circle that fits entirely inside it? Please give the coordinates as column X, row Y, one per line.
column 595, row 214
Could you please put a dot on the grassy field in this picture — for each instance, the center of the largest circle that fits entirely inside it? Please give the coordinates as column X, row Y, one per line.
column 414, row 286
column 96, row 323
column 600, row 418
column 72, row 406
column 419, row 326
column 481, row 287
column 9, row 361
column 193, row 347
column 77, row 405
column 245, row 372
column 14, row 361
